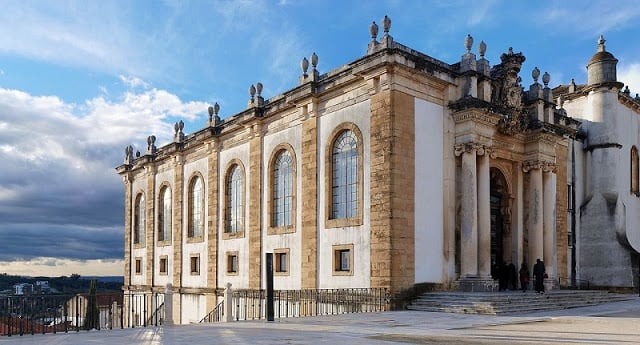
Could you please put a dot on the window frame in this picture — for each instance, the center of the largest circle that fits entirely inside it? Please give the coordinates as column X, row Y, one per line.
column 278, row 255
column 229, row 269
column 226, row 215
column 163, row 259
column 194, row 259
column 338, row 251
column 137, row 269
column 192, row 234
column 634, row 172
column 271, row 190
column 165, row 215
column 139, row 221
column 355, row 220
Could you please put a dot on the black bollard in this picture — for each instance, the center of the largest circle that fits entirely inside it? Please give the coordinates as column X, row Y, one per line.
column 269, row 306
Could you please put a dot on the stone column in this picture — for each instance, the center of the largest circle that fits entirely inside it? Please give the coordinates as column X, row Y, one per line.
column 549, row 223
column 534, row 210
column 484, row 215
column 469, row 214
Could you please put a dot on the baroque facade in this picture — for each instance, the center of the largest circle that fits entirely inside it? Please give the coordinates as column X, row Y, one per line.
column 393, row 170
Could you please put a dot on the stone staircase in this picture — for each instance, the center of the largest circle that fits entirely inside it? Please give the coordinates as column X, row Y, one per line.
column 511, row 302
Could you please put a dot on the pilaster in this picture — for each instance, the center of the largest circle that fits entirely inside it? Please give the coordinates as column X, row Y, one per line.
column 255, row 207
column 127, row 229
column 309, row 212
column 150, row 222
column 392, row 212
column 484, row 215
column 177, row 211
column 212, row 236
column 469, row 214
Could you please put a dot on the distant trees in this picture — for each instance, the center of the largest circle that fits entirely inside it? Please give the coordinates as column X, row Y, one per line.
column 92, row 317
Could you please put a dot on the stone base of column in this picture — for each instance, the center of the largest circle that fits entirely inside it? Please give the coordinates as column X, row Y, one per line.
column 477, row 284
column 550, row 284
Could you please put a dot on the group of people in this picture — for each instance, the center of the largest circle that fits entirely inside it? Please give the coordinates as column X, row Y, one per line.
column 506, row 276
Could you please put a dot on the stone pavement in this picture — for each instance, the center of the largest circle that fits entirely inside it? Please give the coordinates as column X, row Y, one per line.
column 611, row 323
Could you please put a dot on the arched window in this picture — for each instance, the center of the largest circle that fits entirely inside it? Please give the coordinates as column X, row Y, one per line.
column 196, row 208
column 139, row 220
column 164, row 214
column 634, row 171
column 344, row 176
column 282, row 190
column 234, row 196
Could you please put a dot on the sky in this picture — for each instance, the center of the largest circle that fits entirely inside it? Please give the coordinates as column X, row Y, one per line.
column 80, row 80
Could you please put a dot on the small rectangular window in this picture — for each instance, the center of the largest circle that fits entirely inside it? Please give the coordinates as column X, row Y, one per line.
column 343, row 259
column 281, row 264
column 232, row 263
column 163, row 265
column 195, row 264
column 138, row 265
column 569, row 198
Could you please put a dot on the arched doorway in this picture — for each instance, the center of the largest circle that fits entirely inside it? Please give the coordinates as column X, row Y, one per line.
column 499, row 206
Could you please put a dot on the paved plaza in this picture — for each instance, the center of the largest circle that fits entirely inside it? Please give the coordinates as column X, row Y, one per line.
column 612, row 323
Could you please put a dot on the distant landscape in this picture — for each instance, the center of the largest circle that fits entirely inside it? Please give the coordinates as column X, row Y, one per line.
column 64, row 284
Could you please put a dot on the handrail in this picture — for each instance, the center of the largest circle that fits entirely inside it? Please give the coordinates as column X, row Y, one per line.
column 215, row 315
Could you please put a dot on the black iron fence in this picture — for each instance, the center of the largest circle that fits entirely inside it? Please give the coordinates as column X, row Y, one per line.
column 251, row 304
column 31, row 314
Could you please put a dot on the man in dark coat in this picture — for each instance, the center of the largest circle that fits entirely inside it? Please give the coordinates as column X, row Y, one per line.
column 538, row 276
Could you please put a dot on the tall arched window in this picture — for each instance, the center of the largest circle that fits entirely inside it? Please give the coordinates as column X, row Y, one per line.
column 139, row 220
column 344, row 176
column 164, row 214
column 634, row 171
column 282, row 190
column 234, row 196
column 196, row 208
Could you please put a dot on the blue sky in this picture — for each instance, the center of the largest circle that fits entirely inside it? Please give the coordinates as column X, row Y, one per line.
column 80, row 80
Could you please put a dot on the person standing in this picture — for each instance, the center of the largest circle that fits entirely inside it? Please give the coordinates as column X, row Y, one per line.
column 538, row 276
column 524, row 277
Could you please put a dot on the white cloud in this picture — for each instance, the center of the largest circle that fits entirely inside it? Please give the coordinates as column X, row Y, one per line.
column 134, row 82
column 629, row 74
column 589, row 18
column 58, row 187
column 54, row 267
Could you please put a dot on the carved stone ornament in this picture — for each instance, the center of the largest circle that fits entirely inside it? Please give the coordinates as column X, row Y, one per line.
column 507, row 96
column 373, row 31
column 472, row 147
column 537, row 164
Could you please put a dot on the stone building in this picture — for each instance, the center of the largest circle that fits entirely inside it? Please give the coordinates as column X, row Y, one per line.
column 393, row 170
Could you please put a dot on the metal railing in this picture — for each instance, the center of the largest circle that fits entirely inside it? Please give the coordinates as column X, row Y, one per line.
column 31, row 314
column 215, row 315
column 251, row 304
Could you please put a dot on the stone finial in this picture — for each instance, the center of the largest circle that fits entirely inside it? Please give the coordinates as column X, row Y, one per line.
column 626, row 90
column 535, row 74
column 572, row 86
column 216, row 109
column 137, row 154
column 373, row 31
column 545, row 79
column 128, row 155
column 151, row 144
column 259, row 89
column 482, row 49
column 601, row 41
column 468, row 42
column 560, row 101
column 386, row 24
column 252, row 92
column 179, row 135
column 314, row 60
column 210, row 110
column 304, row 64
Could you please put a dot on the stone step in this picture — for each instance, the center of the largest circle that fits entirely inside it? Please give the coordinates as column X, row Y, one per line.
column 511, row 302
